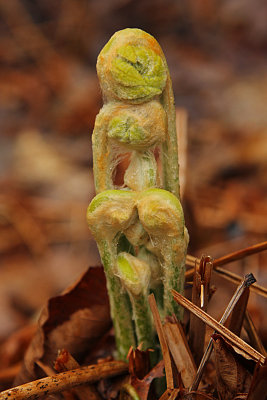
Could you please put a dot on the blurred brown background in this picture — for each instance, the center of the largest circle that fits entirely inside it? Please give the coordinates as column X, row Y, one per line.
column 49, row 97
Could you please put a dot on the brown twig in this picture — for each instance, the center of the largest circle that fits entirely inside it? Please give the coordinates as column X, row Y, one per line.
column 180, row 352
column 255, row 340
column 228, row 335
column 235, row 321
column 64, row 381
column 234, row 278
column 230, row 276
column 191, row 262
column 236, row 255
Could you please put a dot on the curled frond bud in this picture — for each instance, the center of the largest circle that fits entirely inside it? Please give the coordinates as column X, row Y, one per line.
column 138, row 127
column 136, row 234
column 154, row 265
column 132, row 67
column 110, row 212
column 134, row 273
column 135, row 277
column 161, row 213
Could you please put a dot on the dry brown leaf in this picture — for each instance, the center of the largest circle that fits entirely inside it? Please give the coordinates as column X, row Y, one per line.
column 75, row 320
column 183, row 394
column 232, row 376
column 258, row 389
column 139, row 362
column 65, row 362
column 197, row 396
column 142, row 386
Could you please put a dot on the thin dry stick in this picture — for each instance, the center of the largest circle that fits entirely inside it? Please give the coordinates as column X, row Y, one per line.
column 180, row 352
column 64, row 381
column 237, row 255
column 163, row 342
column 232, row 277
column 249, row 280
column 236, row 319
column 228, row 335
column 191, row 262
column 255, row 340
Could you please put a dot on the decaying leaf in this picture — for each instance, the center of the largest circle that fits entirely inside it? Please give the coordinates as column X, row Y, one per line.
column 197, row 396
column 65, row 362
column 232, row 376
column 75, row 320
column 258, row 389
column 138, row 362
column 142, row 386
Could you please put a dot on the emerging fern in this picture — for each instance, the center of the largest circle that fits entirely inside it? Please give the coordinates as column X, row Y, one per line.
column 139, row 227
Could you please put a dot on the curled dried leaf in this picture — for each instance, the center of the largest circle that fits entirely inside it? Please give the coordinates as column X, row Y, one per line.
column 74, row 320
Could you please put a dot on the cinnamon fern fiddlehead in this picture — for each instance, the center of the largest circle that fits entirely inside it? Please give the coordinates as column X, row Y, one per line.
column 139, row 226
